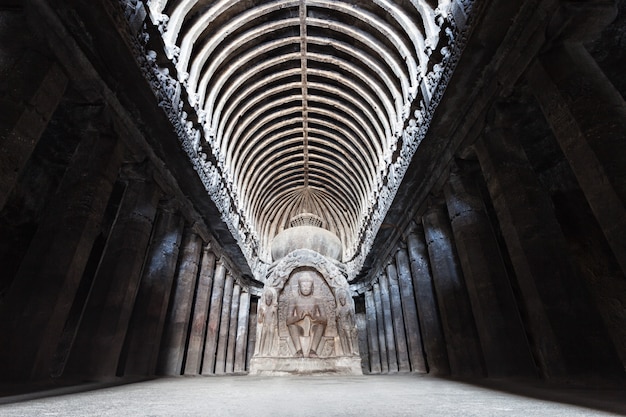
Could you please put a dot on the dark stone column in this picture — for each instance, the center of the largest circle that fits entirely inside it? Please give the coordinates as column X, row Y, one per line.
column 404, row 365
column 385, row 297
column 588, row 117
column 426, row 300
column 35, row 88
column 107, row 312
column 197, row 332
column 456, row 313
column 502, row 338
column 568, row 334
column 222, row 343
column 146, row 324
column 36, row 307
column 213, row 325
column 242, row 332
column 251, row 330
column 372, row 332
column 232, row 331
column 361, row 327
column 409, row 309
column 177, row 321
column 380, row 331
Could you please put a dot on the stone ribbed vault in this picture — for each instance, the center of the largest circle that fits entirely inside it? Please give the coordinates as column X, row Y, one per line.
column 303, row 105
column 150, row 151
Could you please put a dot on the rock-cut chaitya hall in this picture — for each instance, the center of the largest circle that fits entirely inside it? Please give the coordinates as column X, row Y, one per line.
column 288, row 187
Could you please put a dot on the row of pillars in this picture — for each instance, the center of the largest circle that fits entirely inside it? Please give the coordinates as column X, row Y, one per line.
column 109, row 283
column 447, row 304
column 131, row 316
column 487, row 266
column 394, row 338
column 453, row 311
column 209, row 327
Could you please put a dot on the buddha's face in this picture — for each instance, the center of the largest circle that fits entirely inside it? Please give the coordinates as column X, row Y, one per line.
column 306, row 286
column 269, row 297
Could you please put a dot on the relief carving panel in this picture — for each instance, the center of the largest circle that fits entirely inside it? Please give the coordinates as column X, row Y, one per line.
column 306, row 317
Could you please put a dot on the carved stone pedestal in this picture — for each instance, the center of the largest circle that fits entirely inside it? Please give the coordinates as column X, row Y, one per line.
column 343, row 365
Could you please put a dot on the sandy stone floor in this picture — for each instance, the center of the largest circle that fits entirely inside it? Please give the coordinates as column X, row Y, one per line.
column 397, row 395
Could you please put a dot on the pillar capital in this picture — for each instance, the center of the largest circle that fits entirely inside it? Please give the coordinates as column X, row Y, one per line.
column 137, row 172
column 170, row 204
column 462, row 195
column 434, row 219
column 414, row 228
column 506, row 114
column 92, row 117
column 392, row 271
column 401, row 246
column 198, row 229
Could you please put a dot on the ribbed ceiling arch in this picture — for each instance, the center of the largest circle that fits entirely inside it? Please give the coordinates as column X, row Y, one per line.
column 304, row 99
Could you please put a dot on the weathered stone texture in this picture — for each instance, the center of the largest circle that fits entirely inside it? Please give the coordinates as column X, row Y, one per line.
column 462, row 342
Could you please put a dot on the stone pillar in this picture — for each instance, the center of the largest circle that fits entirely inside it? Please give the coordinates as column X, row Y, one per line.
column 409, row 312
column 380, row 330
column 36, row 307
column 252, row 323
column 361, row 327
column 177, row 321
column 242, row 332
column 198, row 328
column 35, row 88
column 385, row 297
column 101, row 333
column 232, row 331
column 588, row 117
column 404, row 365
column 500, row 329
column 372, row 332
column 426, row 300
column 146, row 324
column 210, row 347
column 565, row 325
column 222, row 343
column 462, row 344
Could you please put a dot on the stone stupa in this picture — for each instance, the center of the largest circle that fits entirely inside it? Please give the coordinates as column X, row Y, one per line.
column 305, row 318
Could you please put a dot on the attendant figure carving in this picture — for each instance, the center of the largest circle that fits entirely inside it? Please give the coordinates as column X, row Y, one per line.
column 306, row 315
column 267, row 320
column 346, row 324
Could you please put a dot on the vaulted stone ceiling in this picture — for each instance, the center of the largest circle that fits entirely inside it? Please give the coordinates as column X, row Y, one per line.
column 305, row 104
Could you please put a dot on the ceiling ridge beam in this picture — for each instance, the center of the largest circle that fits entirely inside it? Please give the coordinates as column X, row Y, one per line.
column 303, row 63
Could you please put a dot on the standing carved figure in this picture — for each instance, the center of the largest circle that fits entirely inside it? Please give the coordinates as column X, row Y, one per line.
column 267, row 321
column 306, row 315
column 346, row 323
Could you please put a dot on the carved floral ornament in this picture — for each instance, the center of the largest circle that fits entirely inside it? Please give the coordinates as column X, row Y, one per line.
column 231, row 98
column 306, row 258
